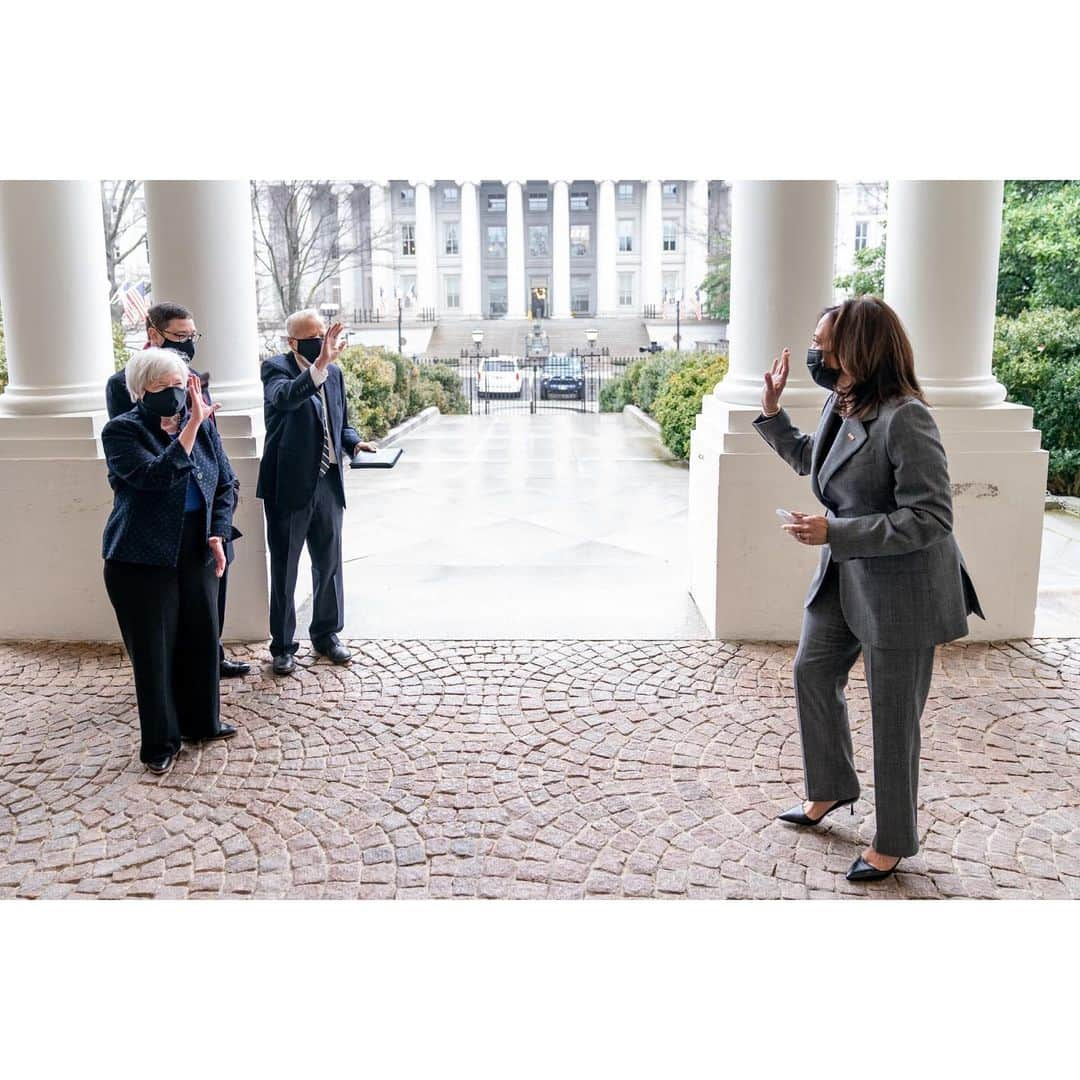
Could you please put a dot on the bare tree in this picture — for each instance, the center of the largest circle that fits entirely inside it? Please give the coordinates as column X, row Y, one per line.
column 125, row 223
column 303, row 240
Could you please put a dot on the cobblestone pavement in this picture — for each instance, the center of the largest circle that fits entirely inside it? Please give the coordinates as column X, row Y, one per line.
column 526, row 769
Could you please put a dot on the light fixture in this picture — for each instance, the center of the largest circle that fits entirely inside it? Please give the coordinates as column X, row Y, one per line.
column 477, row 336
column 591, row 335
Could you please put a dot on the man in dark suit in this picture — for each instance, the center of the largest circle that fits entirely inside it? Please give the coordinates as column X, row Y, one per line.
column 302, row 483
column 172, row 326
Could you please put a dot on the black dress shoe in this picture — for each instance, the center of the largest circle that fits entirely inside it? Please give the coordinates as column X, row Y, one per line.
column 225, row 731
column 233, row 669
column 861, row 870
column 795, row 815
column 284, row 664
column 161, row 764
column 335, row 651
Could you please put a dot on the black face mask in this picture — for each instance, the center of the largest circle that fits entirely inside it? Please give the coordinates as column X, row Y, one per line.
column 823, row 376
column 167, row 402
column 309, row 348
column 185, row 347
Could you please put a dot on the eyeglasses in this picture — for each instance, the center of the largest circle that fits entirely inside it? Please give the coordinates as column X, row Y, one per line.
column 194, row 336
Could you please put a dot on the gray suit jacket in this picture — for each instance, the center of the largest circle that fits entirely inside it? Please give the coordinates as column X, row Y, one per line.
column 885, row 487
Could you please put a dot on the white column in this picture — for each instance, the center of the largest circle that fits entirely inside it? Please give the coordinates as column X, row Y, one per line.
column 607, row 247
column 55, row 296
column 560, row 249
column 697, row 239
column 427, row 290
column 941, row 276
column 202, row 255
column 781, row 277
column 652, row 246
column 515, row 251
column 380, row 222
column 747, row 577
column 471, row 291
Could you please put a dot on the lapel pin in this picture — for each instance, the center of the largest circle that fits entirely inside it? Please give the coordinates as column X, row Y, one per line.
column 851, row 436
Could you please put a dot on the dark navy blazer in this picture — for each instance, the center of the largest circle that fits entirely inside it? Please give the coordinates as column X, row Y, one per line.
column 292, row 452
column 148, row 472
column 118, row 401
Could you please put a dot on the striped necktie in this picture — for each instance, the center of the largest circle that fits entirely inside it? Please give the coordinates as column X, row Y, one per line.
column 324, row 465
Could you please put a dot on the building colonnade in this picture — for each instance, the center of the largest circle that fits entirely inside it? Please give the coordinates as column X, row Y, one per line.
column 746, row 577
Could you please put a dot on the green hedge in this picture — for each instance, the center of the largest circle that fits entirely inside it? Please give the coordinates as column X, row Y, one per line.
column 641, row 382
column 669, row 387
column 1037, row 359
column 679, row 402
column 383, row 389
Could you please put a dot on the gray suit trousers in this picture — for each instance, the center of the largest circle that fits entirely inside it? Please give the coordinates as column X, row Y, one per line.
column 898, row 681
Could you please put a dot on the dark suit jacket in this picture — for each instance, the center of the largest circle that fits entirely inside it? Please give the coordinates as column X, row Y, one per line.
column 884, row 483
column 118, row 401
column 148, row 472
column 292, row 452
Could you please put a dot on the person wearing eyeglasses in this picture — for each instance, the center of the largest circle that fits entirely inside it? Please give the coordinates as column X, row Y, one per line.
column 172, row 326
column 164, row 551
column 302, row 483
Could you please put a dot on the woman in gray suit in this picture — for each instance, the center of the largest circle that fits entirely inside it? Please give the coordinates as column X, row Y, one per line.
column 891, row 582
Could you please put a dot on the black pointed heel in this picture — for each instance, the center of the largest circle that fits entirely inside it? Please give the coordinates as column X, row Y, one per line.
column 795, row 815
column 861, row 870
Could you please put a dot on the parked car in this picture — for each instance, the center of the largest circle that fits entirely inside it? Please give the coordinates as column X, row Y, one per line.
column 500, row 375
column 562, row 376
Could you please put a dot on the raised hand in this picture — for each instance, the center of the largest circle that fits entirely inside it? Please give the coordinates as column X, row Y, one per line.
column 200, row 411
column 332, row 346
column 775, row 381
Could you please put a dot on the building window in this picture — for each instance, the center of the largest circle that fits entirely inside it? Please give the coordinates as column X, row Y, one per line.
column 538, row 241
column 862, row 234
column 671, row 242
column 626, row 290
column 671, row 190
column 497, row 295
column 453, row 290
column 408, row 196
column 496, row 241
column 450, row 241
column 672, row 286
column 538, row 200
column 579, row 295
column 407, row 289
column 579, row 239
column 449, row 194
column 579, row 200
column 626, row 235
column 408, row 239
column 496, row 202
column 625, row 192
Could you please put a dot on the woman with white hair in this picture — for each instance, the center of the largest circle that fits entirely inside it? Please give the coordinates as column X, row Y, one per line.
column 164, row 551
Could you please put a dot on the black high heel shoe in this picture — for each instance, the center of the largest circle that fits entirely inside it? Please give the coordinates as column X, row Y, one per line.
column 861, row 870
column 795, row 815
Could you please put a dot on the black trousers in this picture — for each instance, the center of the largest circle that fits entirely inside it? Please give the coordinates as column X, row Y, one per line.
column 319, row 526
column 223, row 583
column 168, row 618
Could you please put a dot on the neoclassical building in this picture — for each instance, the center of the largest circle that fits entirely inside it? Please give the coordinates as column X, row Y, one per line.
column 470, row 249
column 941, row 276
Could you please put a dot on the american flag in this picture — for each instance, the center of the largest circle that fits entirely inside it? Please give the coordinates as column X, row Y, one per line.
column 134, row 298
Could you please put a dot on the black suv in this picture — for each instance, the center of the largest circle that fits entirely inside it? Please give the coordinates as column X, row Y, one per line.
column 562, row 376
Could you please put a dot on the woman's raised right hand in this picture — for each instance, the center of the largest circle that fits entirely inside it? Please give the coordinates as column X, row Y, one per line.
column 200, row 411
column 775, row 381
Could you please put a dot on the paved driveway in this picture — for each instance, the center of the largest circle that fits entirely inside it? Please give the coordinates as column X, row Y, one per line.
column 514, row 526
